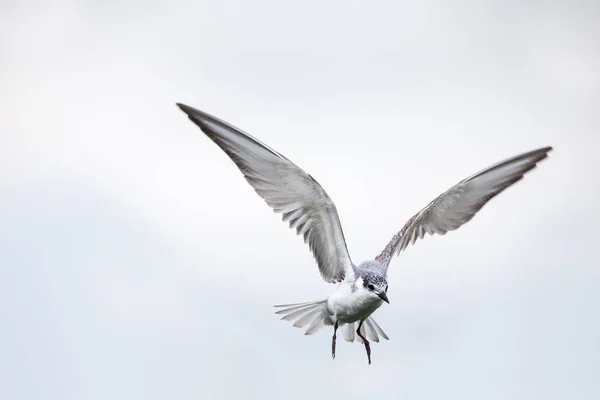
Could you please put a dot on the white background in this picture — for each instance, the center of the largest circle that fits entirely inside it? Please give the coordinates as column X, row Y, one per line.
column 136, row 263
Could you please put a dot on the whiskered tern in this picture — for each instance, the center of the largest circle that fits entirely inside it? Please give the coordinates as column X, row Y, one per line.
column 307, row 208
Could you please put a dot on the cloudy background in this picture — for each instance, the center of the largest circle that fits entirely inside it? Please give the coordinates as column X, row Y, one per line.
column 136, row 263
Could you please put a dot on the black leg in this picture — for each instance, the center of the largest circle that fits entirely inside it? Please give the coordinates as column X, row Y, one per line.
column 365, row 341
column 333, row 340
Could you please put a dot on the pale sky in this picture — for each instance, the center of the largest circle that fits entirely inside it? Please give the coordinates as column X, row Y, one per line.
column 136, row 262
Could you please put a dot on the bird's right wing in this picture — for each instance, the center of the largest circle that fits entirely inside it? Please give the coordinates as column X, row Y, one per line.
column 288, row 190
column 460, row 203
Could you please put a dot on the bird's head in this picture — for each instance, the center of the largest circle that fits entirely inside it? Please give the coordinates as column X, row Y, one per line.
column 377, row 285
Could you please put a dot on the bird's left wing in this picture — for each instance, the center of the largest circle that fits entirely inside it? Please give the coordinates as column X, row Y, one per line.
column 460, row 203
column 288, row 190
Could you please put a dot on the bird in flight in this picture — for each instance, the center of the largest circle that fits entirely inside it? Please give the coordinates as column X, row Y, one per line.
column 307, row 208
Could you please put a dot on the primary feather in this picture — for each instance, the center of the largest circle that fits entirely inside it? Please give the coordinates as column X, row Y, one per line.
column 460, row 203
column 287, row 189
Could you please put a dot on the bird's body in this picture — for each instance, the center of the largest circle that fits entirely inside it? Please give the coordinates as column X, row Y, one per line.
column 352, row 303
column 350, row 307
column 307, row 208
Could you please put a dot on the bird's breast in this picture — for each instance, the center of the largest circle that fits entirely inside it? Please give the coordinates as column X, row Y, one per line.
column 348, row 306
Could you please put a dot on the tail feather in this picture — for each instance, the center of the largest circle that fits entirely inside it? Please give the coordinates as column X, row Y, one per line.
column 315, row 315
column 302, row 314
column 315, row 326
column 295, row 304
column 378, row 328
column 308, row 318
column 294, row 315
column 369, row 329
column 349, row 333
column 371, row 332
column 292, row 307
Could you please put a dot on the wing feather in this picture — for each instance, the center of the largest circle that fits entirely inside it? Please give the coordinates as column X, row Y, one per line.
column 459, row 204
column 288, row 190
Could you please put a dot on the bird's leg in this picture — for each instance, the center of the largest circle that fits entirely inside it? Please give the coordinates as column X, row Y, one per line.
column 365, row 341
column 333, row 340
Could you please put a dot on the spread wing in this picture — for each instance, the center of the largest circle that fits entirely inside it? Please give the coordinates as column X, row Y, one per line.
column 288, row 190
column 460, row 203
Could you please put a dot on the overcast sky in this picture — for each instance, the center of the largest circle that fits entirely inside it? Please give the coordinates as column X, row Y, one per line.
column 136, row 262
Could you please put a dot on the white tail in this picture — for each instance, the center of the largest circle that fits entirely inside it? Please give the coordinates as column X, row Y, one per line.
column 316, row 316
column 370, row 329
column 313, row 314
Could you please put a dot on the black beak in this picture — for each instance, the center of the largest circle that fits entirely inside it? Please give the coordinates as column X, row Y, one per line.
column 383, row 296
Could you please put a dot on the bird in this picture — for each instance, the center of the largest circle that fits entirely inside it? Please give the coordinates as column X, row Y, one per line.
column 307, row 208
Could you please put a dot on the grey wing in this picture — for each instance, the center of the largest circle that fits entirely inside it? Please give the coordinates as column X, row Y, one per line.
column 459, row 204
column 288, row 190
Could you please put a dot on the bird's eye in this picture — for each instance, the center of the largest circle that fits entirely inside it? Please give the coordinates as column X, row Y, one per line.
column 386, row 287
column 371, row 287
